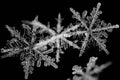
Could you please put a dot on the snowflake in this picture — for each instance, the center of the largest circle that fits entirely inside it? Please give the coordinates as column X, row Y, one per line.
column 92, row 27
column 88, row 72
column 22, row 44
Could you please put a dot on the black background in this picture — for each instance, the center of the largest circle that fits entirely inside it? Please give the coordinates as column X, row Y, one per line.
column 13, row 12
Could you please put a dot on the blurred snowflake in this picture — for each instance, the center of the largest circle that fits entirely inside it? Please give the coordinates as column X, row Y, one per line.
column 91, row 72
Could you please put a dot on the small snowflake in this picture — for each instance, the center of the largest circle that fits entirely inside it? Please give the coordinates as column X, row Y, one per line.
column 88, row 72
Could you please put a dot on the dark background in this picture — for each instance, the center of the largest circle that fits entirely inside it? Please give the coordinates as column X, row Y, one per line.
column 13, row 12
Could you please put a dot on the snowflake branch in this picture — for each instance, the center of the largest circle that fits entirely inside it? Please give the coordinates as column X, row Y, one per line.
column 71, row 43
column 36, row 24
column 101, row 45
column 77, row 16
column 84, row 44
column 59, row 21
column 105, row 28
column 95, row 14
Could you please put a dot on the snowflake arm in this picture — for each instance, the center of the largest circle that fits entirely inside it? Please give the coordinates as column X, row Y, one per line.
column 71, row 28
column 94, row 14
column 10, row 52
column 84, row 44
column 28, row 67
column 59, row 21
column 58, row 51
column 98, row 33
column 106, row 28
column 15, row 33
column 36, row 24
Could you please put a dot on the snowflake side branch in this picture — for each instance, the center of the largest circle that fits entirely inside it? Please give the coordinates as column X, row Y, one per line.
column 77, row 16
column 77, row 70
column 13, row 31
column 71, row 43
column 91, row 63
column 101, row 45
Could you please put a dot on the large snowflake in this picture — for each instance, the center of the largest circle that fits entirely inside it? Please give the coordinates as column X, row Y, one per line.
column 95, row 30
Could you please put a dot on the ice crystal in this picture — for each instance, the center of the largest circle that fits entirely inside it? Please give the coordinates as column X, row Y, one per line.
column 22, row 44
column 88, row 73
column 94, row 28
